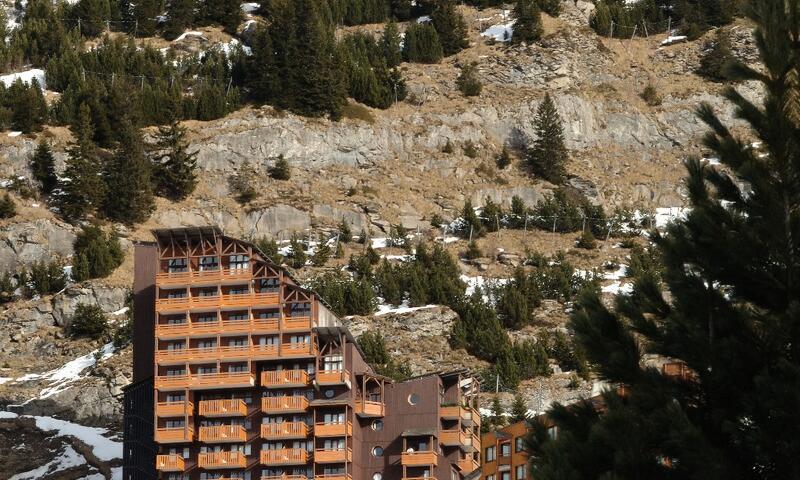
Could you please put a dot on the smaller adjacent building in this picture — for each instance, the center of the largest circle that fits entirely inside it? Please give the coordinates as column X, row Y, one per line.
column 504, row 456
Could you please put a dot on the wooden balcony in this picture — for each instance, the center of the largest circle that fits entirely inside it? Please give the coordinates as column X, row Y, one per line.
column 467, row 465
column 223, row 434
column 205, row 381
column 334, row 477
column 418, row 478
column 296, row 324
column 275, row 431
column 366, row 408
column 223, row 275
column 170, row 463
column 174, row 409
column 333, row 377
column 209, row 302
column 284, row 404
column 205, row 355
column 419, row 459
column 286, row 477
column 299, row 349
column 221, row 460
column 174, row 435
column 224, row 327
column 223, row 408
column 284, row 456
column 265, row 325
column 454, row 438
column 465, row 414
column 333, row 429
column 284, row 379
column 333, row 456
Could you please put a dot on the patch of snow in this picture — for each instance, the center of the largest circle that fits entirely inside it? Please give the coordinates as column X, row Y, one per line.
column 616, row 274
column 250, row 7
column 186, row 34
column 68, row 459
column 382, row 242
column 104, row 448
column 473, row 283
column 424, row 19
column 666, row 215
column 4, row 414
column 60, row 378
column 402, row 258
column 713, row 161
column 14, row 134
column 501, row 32
column 672, row 39
column 384, row 309
column 617, row 288
column 27, row 77
column 5, row 380
column 121, row 311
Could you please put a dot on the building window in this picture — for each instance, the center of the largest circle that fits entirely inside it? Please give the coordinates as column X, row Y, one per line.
column 206, row 343
column 176, row 294
column 329, row 393
column 207, row 292
column 377, row 425
column 177, row 265
column 505, row 475
column 207, row 318
column 238, row 316
column 238, row 368
column 269, row 285
column 520, row 473
column 519, row 444
column 377, row 476
column 489, row 477
column 505, row 449
column 239, row 262
column 489, row 455
column 269, row 314
column 209, row 263
column 206, row 370
column 332, row 363
column 300, row 310
column 377, row 451
column 413, row 399
column 239, row 290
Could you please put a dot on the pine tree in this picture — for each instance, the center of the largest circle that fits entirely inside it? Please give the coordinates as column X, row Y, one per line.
column 180, row 16
column 97, row 254
column 498, row 414
column 82, row 188
column 504, row 160
column 227, row 13
column 519, row 408
column 127, row 176
column 173, row 166
column 551, row 7
column 716, row 57
column 88, row 321
column 298, row 252
column 345, row 232
column 390, row 45
column 42, row 165
column 7, row 207
column 450, row 26
column 528, row 25
column 468, row 82
column 472, row 226
column 548, row 154
column 421, row 44
column 280, row 170
column 731, row 316
column 93, row 15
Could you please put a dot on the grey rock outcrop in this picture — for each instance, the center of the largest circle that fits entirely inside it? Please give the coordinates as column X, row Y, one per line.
column 25, row 242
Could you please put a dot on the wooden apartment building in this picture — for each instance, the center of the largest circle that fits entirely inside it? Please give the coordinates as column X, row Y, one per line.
column 241, row 373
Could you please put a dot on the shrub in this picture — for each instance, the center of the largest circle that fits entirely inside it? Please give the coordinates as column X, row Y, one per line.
column 470, row 149
column 281, row 169
column 88, row 321
column 473, row 251
column 468, row 83
column 550, row 7
column 47, row 277
column 504, row 159
column 374, row 347
column 269, row 248
column 436, row 220
column 448, row 147
column 321, row 255
column 242, row 183
column 7, row 207
column 650, row 95
column 96, row 254
column 6, row 288
column 345, row 233
column 586, row 241
column 716, row 57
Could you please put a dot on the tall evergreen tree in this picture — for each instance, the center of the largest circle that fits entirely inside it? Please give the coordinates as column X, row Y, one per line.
column 528, row 25
column 732, row 316
column 7, row 207
column 173, row 166
column 127, row 175
column 421, row 44
column 82, row 187
column 180, row 16
column 519, row 408
column 451, row 27
column 390, row 45
column 92, row 16
column 42, row 165
column 227, row 13
column 548, row 155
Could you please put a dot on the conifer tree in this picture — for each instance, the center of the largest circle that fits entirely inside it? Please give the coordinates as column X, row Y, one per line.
column 7, row 207
column 144, row 17
column 498, row 414
column 227, row 13
column 97, row 254
column 504, row 160
column 42, row 165
column 421, row 44
column 281, row 169
column 180, row 16
column 468, row 82
column 731, row 317
column 93, row 15
column 390, row 45
column 519, row 408
column 173, row 166
column 548, row 154
column 450, row 26
column 528, row 25
column 127, row 174
column 82, row 188
column 345, row 232
column 716, row 57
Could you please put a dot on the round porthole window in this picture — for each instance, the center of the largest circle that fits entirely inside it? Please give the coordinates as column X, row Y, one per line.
column 377, row 425
column 329, row 393
column 377, row 476
column 413, row 399
column 377, row 452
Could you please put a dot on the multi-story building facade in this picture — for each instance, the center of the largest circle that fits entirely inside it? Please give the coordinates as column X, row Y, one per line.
column 254, row 378
column 504, row 454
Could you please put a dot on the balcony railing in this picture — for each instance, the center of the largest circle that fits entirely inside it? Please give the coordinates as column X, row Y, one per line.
column 187, row 329
column 284, row 378
column 178, row 304
column 467, row 465
column 333, row 456
column 332, row 377
column 223, row 433
column 206, row 354
column 174, row 435
column 286, row 477
column 304, row 349
column 284, row 456
column 284, row 404
column 333, row 429
column 366, row 408
column 334, row 476
column 223, row 408
column 205, row 381
column 174, row 409
column 170, row 463
column 296, row 323
column 421, row 458
column 209, row 276
column 284, row 430
column 454, row 437
column 221, row 460
column 456, row 412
